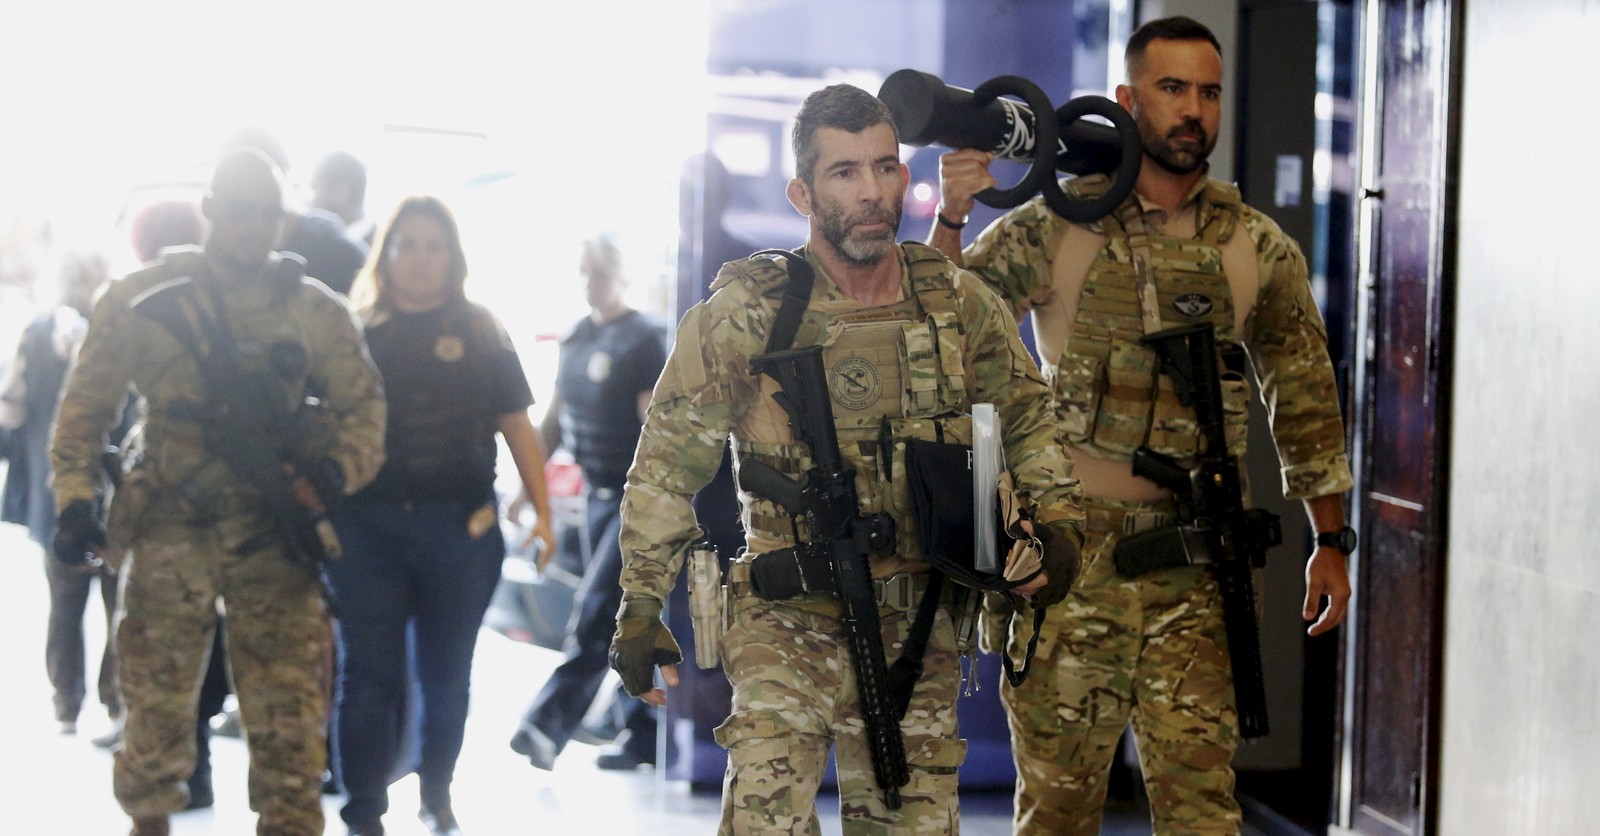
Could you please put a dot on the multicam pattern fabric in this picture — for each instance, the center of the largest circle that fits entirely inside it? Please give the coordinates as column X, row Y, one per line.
column 709, row 392
column 183, row 516
column 123, row 347
column 1283, row 333
column 948, row 344
column 279, row 646
column 795, row 696
column 1152, row 650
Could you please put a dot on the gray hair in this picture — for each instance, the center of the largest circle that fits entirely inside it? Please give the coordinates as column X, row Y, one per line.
column 840, row 106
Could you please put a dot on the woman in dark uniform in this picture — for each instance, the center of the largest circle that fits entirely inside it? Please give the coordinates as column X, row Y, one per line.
column 422, row 543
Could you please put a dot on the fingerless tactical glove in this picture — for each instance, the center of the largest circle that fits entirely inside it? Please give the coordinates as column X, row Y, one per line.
column 1059, row 544
column 327, row 479
column 641, row 644
column 79, row 534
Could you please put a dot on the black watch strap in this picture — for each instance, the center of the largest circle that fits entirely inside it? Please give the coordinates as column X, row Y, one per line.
column 1344, row 539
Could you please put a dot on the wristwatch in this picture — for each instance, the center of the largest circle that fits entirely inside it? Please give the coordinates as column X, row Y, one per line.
column 1344, row 539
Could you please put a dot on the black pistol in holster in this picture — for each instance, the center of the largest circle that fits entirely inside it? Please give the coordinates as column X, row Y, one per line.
column 1214, row 528
column 842, row 540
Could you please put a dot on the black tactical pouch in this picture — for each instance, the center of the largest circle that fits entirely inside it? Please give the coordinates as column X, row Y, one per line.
column 940, row 479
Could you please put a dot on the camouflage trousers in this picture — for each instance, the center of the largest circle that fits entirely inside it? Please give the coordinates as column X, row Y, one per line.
column 277, row 639
column 794, row 694
column 1151, row 650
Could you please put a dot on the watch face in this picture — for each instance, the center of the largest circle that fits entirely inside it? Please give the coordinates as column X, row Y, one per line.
column 1344, row 539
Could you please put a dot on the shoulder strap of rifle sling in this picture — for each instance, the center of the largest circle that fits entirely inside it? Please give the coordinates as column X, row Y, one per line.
column 907, row 670
column 1014, row 674
column 796, row 296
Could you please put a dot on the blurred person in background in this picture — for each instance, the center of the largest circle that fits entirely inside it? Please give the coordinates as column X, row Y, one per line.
column 156, row 221
column 609, row 364
column 422, row 544
column 339, row 186
column 332, row 255
column 28, row 398
column 162, row 220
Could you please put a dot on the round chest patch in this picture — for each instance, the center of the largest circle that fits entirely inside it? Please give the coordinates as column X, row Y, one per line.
column 1192, row 304
column 854, row 383
column 449, row 349
column 599, row 367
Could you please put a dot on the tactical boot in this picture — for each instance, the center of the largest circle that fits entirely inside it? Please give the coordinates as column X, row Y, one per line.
column 149, row 826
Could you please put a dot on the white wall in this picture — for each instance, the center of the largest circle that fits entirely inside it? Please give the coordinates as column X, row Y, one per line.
column 1521, row 725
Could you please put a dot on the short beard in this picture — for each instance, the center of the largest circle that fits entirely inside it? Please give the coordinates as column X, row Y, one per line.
column 860, row 250
column 1159, row 148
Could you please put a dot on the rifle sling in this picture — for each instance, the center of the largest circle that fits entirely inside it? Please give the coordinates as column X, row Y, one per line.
column 907, row 669
column 796, row 296
column 1015, row 675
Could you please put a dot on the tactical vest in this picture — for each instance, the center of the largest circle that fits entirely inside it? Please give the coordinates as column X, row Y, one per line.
column 441, row 432
column 181, row 443
column 895, row 372
column 599, row 408
column 1111, row 395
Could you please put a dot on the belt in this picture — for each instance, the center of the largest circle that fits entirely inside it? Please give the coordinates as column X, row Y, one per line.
column 900, row 592
column 1126, row 520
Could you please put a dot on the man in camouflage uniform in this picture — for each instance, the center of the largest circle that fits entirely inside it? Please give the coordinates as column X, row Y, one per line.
column 1182, row 249
column 196, row 534
column 911, row 342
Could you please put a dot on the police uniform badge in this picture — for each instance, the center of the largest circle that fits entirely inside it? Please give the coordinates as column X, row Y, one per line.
column 599, row 367
column 449, row 348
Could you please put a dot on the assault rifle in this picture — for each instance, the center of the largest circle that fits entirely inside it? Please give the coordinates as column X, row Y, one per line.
column 248, row 425
column 842, row 538
column 257, row 436
column 1214, row 528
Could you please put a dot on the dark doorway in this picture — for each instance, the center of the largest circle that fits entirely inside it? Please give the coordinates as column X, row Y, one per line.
column 1390, row 745
column 1296, row 103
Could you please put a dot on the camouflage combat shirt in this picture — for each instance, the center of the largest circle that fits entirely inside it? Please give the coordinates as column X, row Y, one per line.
column 1030, row 254
column 263, row 309
column 708, row 392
